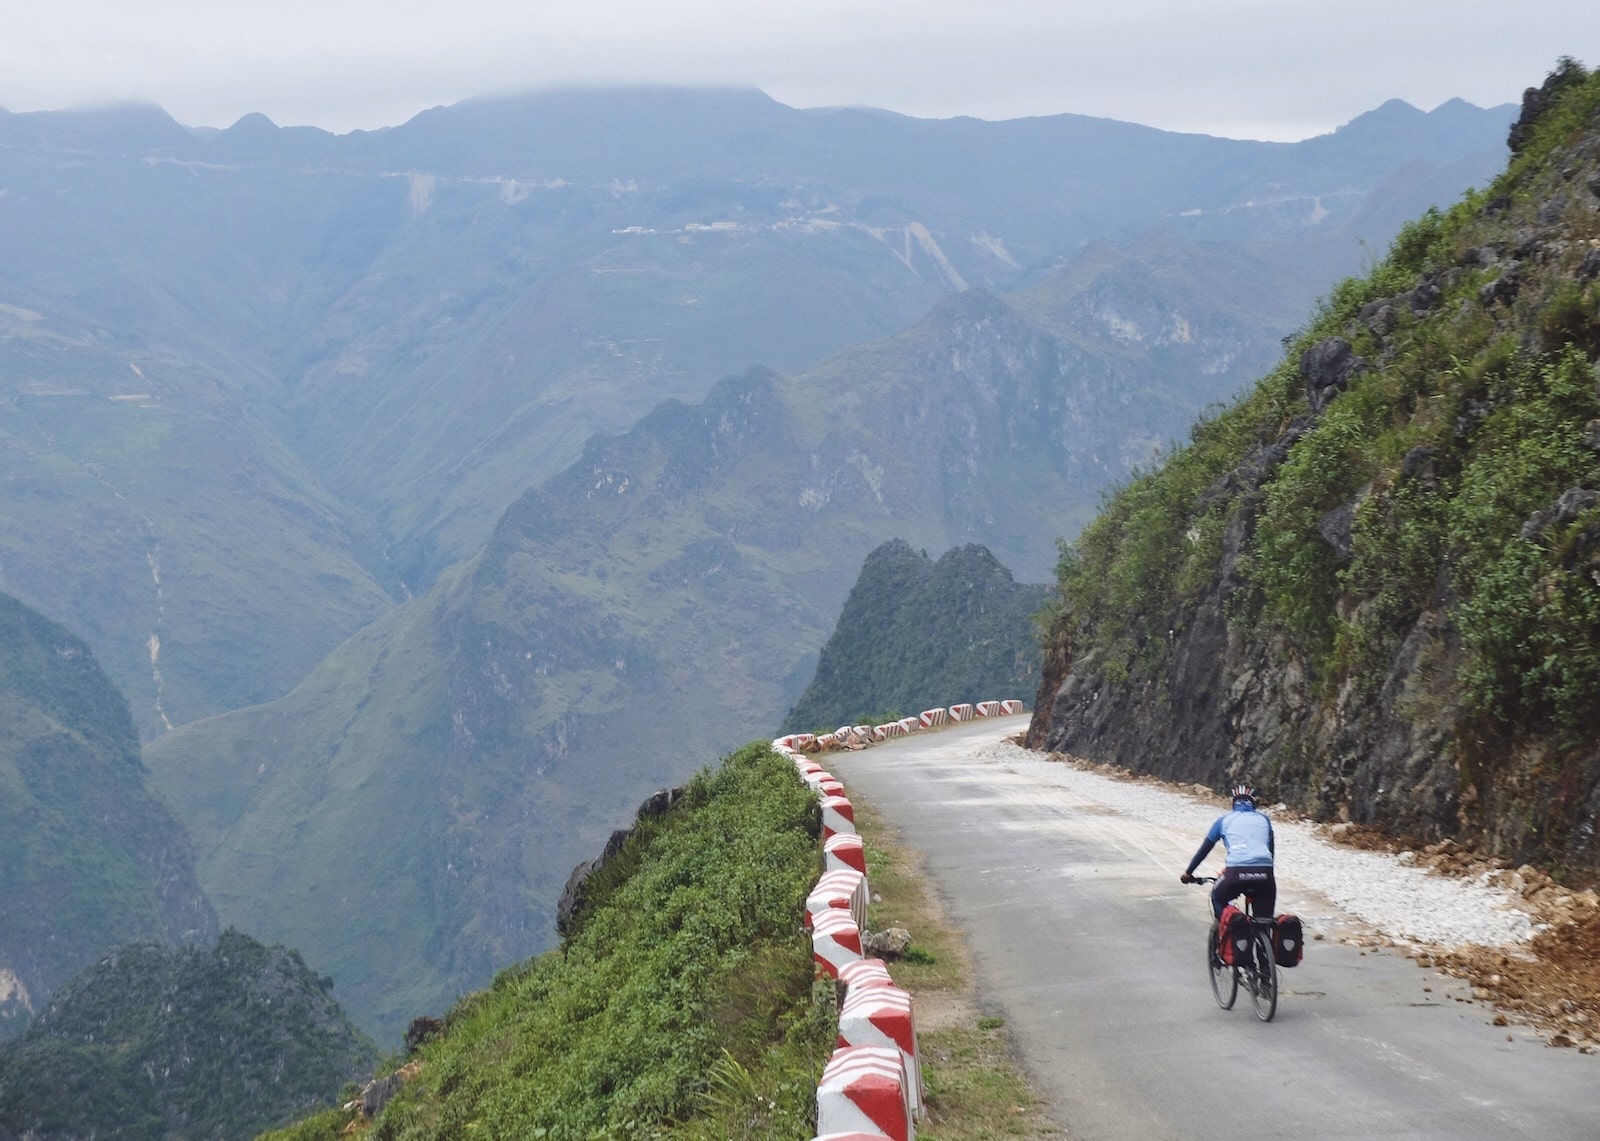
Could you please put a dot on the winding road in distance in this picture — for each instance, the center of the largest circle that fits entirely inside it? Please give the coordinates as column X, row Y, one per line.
column 1083, row 939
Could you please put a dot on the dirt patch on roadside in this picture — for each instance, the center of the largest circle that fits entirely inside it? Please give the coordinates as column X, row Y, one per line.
column 1552, row 982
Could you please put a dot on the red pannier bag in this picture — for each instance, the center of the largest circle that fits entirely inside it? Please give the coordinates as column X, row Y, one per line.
column 1288, row 940
column 1233, row 935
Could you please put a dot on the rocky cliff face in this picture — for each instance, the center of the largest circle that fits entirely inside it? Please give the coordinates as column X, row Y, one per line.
column 1373, row 586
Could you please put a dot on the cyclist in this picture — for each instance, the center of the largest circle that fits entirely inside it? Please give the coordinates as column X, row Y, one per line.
column 1246, row 837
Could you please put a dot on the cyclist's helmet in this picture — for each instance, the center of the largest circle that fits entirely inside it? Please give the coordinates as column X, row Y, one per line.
column 1244, row 792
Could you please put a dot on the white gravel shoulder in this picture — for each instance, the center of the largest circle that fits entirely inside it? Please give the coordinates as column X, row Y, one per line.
column 1381, row 891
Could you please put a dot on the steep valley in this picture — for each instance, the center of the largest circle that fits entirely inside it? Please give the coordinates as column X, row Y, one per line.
column 303, row 373
column 408, row 815
column 342, row 460
column 88, row 855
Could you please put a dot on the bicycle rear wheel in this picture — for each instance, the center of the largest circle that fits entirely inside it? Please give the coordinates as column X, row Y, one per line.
column 1263, row 978
column 1224, row 980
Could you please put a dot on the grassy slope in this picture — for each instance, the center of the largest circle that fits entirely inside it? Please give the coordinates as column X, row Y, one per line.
column 680, row 1006
column 683, row 1007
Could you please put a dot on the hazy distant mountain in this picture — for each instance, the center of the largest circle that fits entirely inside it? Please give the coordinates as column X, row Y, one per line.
column 260, row 383
column 408, row 815
column 916, row 633
column 88, row 856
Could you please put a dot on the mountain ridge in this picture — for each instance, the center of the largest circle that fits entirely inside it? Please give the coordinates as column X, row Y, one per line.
column 155, row 1042
column 291, row 308
column 915, row 631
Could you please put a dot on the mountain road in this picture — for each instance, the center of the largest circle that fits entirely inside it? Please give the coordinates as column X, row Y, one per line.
column 1086, row 943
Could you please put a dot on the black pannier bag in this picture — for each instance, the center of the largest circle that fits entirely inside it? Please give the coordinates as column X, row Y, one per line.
column 1288, row 940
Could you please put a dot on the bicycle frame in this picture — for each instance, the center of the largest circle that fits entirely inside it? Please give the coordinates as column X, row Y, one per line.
column 1258, row 973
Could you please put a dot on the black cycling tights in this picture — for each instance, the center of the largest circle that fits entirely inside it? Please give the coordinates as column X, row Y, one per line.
column 1257, row 883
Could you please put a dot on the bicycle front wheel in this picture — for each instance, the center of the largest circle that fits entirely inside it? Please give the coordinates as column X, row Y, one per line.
column 1224, row 980
column 1264, row 978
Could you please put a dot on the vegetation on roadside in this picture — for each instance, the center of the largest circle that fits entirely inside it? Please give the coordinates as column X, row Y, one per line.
column 681, row 1004
column 1453, row 476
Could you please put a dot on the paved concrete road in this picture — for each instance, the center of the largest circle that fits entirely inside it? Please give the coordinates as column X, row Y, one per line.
column 1093, row 952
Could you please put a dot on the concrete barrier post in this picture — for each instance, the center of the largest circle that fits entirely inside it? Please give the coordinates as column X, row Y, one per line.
column 838, row 815
column 863, row 1090
column 844, row 889
column 865, row 973
column 844, row 850
column 835, row 940
column 882, row 1016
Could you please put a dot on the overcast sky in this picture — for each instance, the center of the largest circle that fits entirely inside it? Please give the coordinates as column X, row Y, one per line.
column 1266, row 69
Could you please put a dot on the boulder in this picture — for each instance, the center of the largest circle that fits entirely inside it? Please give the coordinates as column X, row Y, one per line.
column 1417, row 464
column 1573, row 502
column 1327, row 368
column 378, row 1091
column 421, row 1031
column 887, row 945
column 657, row 803
column 1337, row 528
column 1502, row 289
column 1380, row 317
column 1425, row 296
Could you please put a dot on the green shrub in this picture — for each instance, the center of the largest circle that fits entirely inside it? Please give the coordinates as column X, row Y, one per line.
column 1530, row 618
column 1501, row 415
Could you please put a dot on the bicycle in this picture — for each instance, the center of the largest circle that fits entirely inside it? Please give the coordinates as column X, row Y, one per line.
column 1258, row 970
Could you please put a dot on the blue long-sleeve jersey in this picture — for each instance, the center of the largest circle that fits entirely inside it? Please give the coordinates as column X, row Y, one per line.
column 1246, row 837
